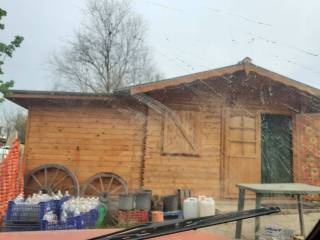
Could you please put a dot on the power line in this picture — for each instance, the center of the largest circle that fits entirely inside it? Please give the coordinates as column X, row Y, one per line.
column 173, row 60
column 190, row 54
column 299, row 49
column 182, row 64
column 297, row 64
column 270, row 41
column 163, row 6
column 238, row 16
column 252, row 40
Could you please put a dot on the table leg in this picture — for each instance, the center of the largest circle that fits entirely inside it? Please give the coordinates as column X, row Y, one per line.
column 300, row 209
column 257, row 220
column 240, row 208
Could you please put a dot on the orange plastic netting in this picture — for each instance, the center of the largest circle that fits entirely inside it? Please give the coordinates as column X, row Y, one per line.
column 11, row 178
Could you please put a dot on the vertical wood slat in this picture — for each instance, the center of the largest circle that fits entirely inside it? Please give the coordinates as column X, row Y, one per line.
column 92, row 140
column 173, row 141
column 306, row 154
column 166, row 172
column 242, row 160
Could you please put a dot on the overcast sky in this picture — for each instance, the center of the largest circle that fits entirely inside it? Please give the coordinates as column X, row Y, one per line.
column 184, row 36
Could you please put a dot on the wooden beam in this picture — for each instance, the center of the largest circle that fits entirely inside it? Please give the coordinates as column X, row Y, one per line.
column 16, row 96
column 185, row 79
column 282, row 79
column 242, row 66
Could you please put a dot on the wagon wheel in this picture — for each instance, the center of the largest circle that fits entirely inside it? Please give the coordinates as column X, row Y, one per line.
column 50, row 178
column 109, row 186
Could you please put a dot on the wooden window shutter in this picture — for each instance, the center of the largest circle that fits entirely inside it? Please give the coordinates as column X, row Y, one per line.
column 180, row 133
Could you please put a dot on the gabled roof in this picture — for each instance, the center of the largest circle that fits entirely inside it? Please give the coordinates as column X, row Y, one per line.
column 56, row 94
column 244, row 65
column 20, row 96
column 24, row 97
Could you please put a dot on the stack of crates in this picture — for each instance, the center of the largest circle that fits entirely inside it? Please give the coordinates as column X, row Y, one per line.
column 133, row 217
column 84, row 220
column 27, row 217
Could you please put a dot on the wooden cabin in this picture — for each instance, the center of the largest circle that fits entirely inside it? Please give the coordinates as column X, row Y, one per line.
column 206, row 131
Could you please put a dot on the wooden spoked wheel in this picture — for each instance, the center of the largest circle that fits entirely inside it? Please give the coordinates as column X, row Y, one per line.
column 107, row 186
column 51, row 178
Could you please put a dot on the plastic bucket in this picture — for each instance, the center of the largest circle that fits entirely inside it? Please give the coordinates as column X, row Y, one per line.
column 157, row 216
column 143, row 201
column 170, row 203
column 127, row 201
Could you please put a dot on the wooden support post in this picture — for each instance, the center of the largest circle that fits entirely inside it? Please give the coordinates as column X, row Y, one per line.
column 300, row 209
column 240, row 208
column 257, row 220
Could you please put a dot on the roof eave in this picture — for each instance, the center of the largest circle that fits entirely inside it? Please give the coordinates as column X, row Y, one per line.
column 172, row 82
column 23, row 97
column 242, row 66
column 284, row 80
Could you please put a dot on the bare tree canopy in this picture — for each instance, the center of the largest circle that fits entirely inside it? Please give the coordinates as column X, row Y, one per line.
column 13, row 122
column 107, row 53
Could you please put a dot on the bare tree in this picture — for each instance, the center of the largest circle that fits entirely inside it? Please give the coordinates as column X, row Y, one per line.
column 108, row 52
column 14, row 121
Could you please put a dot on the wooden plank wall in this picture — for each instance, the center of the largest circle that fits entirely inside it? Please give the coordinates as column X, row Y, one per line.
column 137, row 144
column 165, row 172
column 87, row 139
column 307, row 150
column 242, row 162
column 213, row 170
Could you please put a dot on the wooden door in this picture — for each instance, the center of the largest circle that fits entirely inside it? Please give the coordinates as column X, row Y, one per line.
column 242, row 150
column 276, row 144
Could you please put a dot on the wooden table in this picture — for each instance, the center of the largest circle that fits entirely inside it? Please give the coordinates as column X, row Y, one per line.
column 296, row 189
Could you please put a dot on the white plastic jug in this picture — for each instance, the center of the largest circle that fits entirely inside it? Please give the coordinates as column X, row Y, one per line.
column 206, row 207
column 201, row 197
column 190, row 208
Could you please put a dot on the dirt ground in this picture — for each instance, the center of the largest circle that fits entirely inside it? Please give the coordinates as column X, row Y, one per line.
column 287, row 219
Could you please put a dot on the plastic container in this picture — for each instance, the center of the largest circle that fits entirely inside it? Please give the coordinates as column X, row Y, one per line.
column 88, row 219
column 190, row 208
column 58, row 205
column 170, row 203
column 143, row 201
column 133, row 217
column 157, row 216
column 84, row 220
column 201, row 197
column 29, row 212
column 46, row 226
column 127, row 201
column 17, row 226
column 172, row 215
column 206, row 206
column 148, row 191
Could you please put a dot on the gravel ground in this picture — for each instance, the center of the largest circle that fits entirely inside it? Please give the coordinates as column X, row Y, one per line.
column 287, row 219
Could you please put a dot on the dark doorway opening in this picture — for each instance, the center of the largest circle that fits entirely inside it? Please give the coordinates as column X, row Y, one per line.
column 276, row 144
